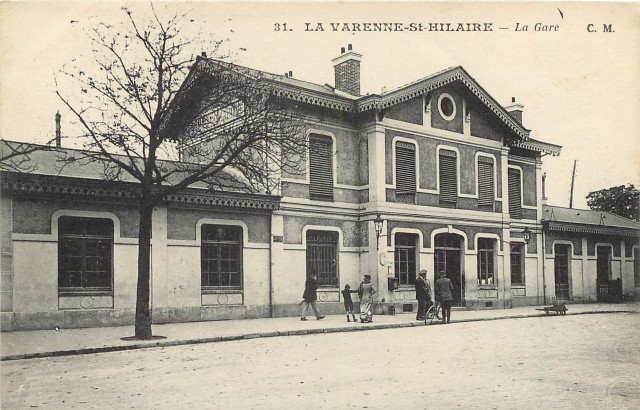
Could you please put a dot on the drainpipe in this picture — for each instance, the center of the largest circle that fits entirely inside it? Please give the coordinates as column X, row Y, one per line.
column 271, row 266
column 544, row 283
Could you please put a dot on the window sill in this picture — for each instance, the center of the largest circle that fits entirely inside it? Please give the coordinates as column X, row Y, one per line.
column 220, row 291
column 488, row 287
column 85, row 292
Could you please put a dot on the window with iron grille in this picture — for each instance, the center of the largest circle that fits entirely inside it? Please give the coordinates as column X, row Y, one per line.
column 85, row 254
column 486, row 273
column 405, row 172
column 221, row 257
column 405, row 258
column 515, row 193
column 448, row 163
column 322, row 256
column 517, row 264
column 320, row 167
column 485, row 183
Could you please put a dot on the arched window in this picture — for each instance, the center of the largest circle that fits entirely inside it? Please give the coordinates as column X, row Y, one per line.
column 85, row 254
column 221, row 257
column 320, row 167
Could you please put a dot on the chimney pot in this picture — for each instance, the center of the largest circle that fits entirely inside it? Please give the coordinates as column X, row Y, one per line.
column 290, row 73
column 204, row 54
column 342, row 50
column 515, row 110
column 350, row 47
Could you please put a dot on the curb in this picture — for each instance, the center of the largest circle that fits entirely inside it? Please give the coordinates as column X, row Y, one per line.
column 297, row 332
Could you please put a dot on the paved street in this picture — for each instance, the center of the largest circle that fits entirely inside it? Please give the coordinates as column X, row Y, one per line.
column 583, row 361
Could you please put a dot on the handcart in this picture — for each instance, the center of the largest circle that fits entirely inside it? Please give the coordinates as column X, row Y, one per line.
column 558, row 306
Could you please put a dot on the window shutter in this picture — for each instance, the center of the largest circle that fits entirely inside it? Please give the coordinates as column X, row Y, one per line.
column 448, row 176
column 405, row 168
column 320, row 168
column 485, row 181
column 515, row 197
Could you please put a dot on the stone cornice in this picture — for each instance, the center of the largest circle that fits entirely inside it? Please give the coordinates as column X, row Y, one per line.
column 539, row 146
column 591, row 229
column 51, row 186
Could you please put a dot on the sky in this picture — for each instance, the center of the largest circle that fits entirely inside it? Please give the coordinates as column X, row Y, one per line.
column 579, row 80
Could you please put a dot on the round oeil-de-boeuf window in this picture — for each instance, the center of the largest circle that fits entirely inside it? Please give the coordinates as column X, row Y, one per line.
column 446, row 106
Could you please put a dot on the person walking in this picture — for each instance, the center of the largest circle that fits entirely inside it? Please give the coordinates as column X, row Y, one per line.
column 309, row 297
column 366, row 292
column 444, row 293
column 423, row 294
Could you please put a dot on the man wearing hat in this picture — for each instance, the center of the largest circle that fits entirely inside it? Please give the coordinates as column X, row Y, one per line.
column 423, row 294
column 444, row 293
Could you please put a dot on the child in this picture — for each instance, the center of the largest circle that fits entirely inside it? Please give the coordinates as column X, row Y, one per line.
column 348, row 303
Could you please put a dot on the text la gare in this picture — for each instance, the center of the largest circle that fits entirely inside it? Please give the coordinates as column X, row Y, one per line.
column 538, row 27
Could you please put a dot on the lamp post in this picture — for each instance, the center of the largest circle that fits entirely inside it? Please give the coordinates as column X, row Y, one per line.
column 526, row 234
column 378, row 224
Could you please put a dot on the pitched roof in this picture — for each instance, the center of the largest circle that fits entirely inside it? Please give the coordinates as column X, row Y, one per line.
column 63, row 172
column 588, row 221
column 328, row 97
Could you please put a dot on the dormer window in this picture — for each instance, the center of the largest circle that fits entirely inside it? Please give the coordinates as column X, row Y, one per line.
column 447, row 106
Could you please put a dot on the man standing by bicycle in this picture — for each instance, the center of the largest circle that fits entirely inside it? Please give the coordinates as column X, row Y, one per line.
column 444, row 293
column 423, row 294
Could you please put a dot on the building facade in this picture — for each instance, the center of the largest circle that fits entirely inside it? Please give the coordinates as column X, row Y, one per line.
column 452, row 176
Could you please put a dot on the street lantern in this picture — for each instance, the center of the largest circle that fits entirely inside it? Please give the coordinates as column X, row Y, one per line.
column 378, row 224
column 526, row 234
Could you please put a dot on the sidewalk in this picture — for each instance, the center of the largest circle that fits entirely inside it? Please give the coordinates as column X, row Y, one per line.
column 47, row 343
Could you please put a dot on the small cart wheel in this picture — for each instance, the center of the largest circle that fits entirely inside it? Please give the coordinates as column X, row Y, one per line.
column 546, row 312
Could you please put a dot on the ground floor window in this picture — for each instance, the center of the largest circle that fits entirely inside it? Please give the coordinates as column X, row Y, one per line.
column 636, row 266
column 221, row 257
column 517, row 264
column 486, row 271
column 85, row 254
column 322, row 256
column 405, row 258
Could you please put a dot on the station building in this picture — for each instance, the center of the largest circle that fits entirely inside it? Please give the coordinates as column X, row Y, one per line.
column 434, row 175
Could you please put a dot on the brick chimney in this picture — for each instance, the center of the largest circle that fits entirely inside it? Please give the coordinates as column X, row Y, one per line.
column 347, row 69
column 515, row 110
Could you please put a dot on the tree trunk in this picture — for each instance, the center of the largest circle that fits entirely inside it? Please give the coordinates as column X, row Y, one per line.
column 143, row 313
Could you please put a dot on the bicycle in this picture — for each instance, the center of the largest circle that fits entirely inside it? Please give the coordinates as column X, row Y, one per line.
column 435, row 311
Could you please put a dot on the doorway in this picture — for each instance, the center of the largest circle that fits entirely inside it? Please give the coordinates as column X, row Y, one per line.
column 561, row 270
column 448, row 256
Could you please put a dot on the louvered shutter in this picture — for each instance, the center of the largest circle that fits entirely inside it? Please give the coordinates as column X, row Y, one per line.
column 485, row 181
column 515, row 197
column 320, row 168
column 405, row 169
column 448, row 176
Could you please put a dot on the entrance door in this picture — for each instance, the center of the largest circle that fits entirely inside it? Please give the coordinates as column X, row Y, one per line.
column 606, row 287
column 448, row 254
column 561, row 268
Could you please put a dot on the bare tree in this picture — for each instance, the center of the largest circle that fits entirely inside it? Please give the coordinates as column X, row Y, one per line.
column 152, row 112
